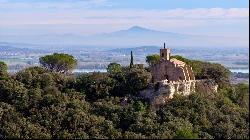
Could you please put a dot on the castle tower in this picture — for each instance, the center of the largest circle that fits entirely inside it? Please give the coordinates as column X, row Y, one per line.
column 165, row 53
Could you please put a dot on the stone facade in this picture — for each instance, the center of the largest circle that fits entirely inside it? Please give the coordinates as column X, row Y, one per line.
column 171, row 69
column 172, row 76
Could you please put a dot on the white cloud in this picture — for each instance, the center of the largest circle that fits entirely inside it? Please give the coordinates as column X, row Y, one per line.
column 78, row 16
column 56, row 4
column 113, row 19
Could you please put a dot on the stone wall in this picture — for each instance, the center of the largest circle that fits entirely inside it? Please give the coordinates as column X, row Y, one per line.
column 172, row 71
column 172, row 76
column 164, row 91
column 206, row 86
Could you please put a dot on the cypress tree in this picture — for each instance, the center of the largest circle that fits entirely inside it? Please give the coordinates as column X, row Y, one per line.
column 131, row 60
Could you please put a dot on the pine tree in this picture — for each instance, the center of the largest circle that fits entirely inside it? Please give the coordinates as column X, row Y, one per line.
column 131, row 60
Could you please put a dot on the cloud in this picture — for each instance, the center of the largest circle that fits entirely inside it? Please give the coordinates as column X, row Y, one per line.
column 89, row 15
column 89, row 9
column 85, row 15
column 48, row 4
column 199, row 13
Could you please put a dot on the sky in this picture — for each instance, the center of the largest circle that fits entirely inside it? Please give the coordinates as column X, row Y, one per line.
column 87, row 17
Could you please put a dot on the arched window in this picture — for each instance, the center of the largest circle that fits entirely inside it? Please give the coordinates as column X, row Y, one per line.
column 180, row 78
column 167, row 77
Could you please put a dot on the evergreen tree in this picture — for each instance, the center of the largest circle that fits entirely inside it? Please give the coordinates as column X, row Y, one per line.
column 131, row 60
column 3, row 68
column 61, row 63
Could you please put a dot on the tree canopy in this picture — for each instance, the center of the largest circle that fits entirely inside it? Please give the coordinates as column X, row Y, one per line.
column 114, row 68
column 61, row 63
column 131, row 59
column 3, row 68
column 37, row 103
column 207, row 70
column 153, row 59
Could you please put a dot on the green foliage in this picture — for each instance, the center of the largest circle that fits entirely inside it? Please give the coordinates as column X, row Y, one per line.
column 136, row 79
column 3, row 68
column 131, row 81
column 13, row 92
column 186, row 134
column 238, row 94
column 243, row 95
column 14, row 125
column 153, row 59
column 37, row 103
column 139, row 106
column 35, row 77
column 95, row 85
column 114, row 68
column 206, row 70
column 131, row 60
column 218, row 73
column 205, row 114
column 62, row 63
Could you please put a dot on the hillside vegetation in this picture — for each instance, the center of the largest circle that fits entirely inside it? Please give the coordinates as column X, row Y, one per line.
column 41, row 103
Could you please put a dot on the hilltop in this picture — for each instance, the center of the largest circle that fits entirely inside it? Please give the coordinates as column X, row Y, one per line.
column 40, row 103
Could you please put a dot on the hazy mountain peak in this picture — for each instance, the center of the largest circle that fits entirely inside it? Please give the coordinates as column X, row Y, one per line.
column 137, row 28
column 133, row 36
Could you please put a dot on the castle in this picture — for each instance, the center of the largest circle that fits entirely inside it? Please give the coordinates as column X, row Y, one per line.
column 171, row 76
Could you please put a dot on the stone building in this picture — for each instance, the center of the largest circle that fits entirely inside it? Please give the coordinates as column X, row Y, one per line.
column 171, row 69
column 172, row 76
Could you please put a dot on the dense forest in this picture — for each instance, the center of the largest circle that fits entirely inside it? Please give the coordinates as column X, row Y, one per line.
column 50, row 102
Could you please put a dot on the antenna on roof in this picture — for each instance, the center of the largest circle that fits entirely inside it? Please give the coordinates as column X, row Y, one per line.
column 164, row 45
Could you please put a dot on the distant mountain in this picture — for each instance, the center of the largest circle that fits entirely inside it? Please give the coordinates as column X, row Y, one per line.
column 146, row 50
column 137, row 30
column 45, row 47
column 9, row 47
column 132, row 37
column 137, row 50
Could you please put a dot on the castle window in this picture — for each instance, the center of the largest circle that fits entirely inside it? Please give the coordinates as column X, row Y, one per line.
column 162, row 55
column 166, row 76
column 157, row 86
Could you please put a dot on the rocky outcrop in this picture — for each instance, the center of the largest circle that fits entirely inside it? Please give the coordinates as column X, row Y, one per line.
column 163, row 91
column 206, row 87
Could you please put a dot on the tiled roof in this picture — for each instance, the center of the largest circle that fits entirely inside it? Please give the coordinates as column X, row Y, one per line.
column 178, row 62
